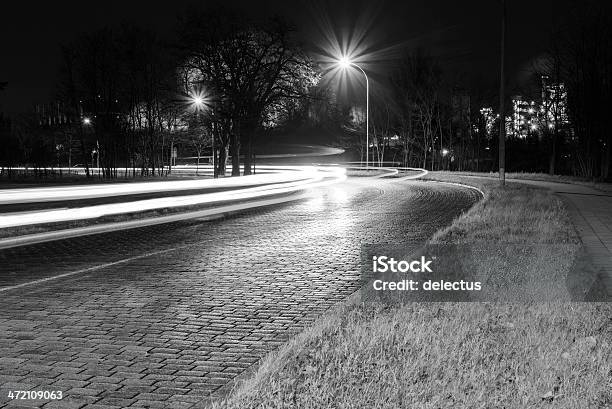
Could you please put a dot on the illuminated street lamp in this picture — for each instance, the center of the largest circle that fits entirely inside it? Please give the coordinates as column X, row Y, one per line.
column 200, row 102
column 87, row 122
column 344, row 62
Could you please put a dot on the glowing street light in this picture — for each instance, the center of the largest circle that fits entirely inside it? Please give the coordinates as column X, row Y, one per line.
column 344, row 63
column 198, row 99
column 87, row 122
column 200, row 102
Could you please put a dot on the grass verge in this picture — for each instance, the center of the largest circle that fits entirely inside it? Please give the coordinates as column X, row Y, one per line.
column 452, row 355
column 544, row 177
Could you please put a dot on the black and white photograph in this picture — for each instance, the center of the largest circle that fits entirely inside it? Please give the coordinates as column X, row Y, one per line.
column 309, row 204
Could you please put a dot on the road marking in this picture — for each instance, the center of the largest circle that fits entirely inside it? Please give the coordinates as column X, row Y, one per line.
column 207, row 215
column 85, row 270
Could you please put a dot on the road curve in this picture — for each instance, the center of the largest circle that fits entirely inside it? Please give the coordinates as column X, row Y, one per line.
column 170, row 314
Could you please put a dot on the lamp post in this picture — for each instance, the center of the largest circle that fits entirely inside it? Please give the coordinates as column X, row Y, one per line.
column 200, row 103
column 344, row 63
column 502, row 119
column 87, row 122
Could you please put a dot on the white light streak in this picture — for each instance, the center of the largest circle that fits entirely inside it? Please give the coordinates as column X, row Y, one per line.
column 281, row 174
column 292, row 179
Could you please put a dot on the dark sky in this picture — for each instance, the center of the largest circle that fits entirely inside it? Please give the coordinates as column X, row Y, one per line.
column 464, row 34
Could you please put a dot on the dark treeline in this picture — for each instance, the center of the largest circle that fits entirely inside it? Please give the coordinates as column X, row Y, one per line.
column 126, row 99
column 127, row 96
column 117, row 88
column 424, row 119
column 254, row 73
column 430, row 121
column 581, row 57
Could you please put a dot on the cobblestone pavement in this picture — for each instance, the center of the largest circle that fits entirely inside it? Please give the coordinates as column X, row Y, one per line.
column 166, row 316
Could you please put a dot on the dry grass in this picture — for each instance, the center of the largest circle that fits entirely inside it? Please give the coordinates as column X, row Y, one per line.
column 606, row 187
column 514, row 214
column 518, row 175
column 439, row 356
column 535, row 233
column 452, row 355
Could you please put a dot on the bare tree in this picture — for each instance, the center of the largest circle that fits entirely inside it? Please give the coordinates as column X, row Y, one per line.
column 417, row 81
column 253, row 68
column 585, row 66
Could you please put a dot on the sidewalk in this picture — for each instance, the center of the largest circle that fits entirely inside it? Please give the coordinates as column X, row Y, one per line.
column 591, row 212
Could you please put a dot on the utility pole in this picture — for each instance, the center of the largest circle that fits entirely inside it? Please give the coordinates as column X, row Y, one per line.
column 502, row 116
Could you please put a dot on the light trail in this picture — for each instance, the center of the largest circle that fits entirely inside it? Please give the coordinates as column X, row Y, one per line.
column 271, row 175
column 307, row 177
column 422, row 172
column 278, row 181
column 307, row 151
column 389, row 172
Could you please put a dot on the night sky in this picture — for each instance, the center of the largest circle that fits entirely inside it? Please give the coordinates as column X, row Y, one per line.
column 463, row 34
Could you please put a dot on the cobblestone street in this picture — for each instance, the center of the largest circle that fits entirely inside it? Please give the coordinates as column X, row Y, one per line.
column 166, row 316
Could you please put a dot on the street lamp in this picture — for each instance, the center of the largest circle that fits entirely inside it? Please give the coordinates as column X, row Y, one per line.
column 87, row 122
column 345, row 62
column 200, row 102
column 502, row 79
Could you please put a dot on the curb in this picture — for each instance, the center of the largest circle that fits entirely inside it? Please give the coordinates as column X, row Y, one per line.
column 458, row 184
